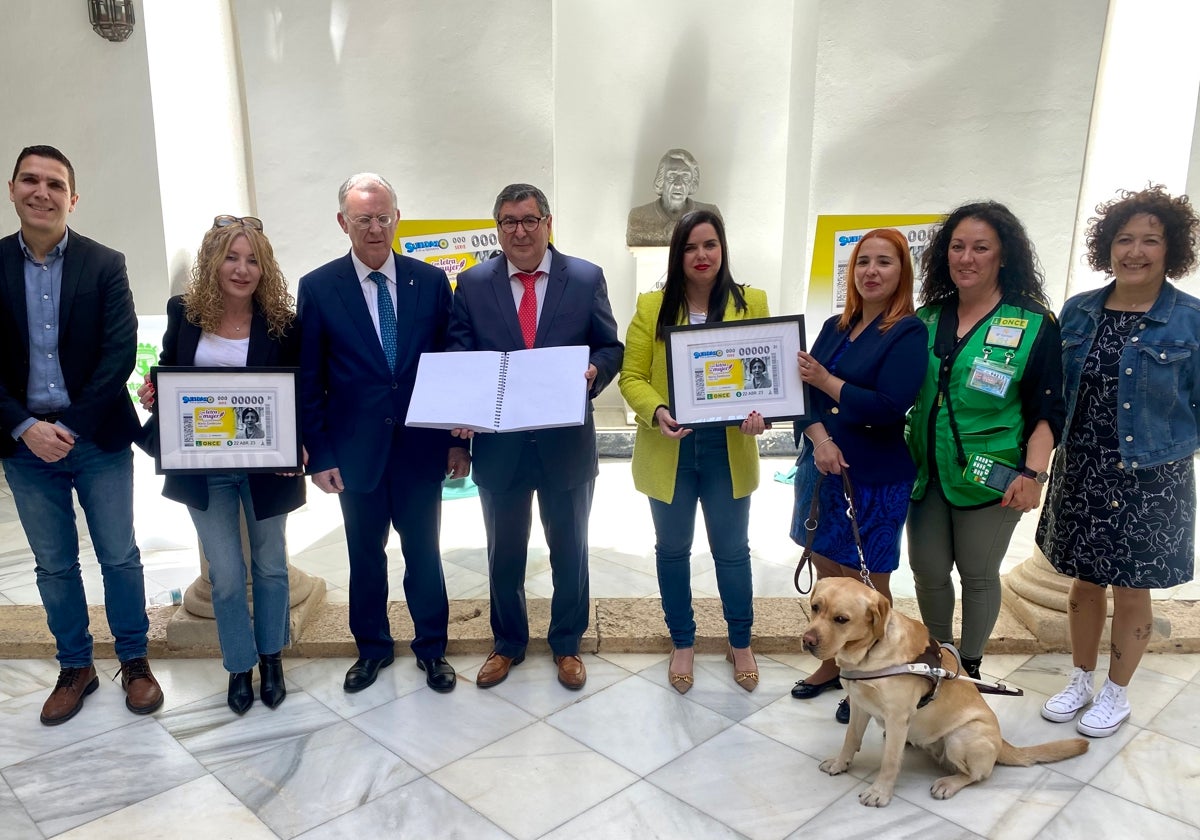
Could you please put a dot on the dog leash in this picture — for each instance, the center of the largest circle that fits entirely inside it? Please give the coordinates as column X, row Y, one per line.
column 810, row 528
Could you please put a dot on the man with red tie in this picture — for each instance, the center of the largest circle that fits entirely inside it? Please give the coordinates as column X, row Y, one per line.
column 529, row 296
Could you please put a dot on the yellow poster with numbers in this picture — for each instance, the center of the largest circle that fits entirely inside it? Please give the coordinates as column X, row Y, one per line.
column 453, row 245
column 835, row 240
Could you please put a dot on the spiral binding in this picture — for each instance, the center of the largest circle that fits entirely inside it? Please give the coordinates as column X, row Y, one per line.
column 501, row 382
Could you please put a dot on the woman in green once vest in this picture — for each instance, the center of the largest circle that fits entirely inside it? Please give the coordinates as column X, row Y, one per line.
column 989, row 413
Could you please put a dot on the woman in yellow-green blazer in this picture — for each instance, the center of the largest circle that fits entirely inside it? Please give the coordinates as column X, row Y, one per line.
column 678, row 467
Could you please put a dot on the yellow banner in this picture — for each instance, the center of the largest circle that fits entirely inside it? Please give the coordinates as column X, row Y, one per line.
column 836, row 237
column 453, row 245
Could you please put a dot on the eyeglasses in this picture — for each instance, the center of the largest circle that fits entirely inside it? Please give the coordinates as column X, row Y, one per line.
column 364, row 222
column 244, row 221
column 529, row 223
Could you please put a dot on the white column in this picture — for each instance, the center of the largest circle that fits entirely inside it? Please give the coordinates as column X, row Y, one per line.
column 199, row 127
column 1143, row 114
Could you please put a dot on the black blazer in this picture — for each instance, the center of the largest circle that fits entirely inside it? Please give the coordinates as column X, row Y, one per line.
column 97, row 342
column 271, row 494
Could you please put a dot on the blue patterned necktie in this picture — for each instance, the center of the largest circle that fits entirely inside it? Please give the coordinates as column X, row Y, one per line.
column 387, row 318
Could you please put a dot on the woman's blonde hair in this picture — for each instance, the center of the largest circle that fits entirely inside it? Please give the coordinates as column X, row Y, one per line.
column 202, row 299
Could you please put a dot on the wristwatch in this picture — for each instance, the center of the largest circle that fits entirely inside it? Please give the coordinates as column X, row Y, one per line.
column 1040, row 477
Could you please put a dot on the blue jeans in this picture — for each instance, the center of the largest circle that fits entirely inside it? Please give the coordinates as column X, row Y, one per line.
column 220, row 534
column 104, row 484
column 703, row 475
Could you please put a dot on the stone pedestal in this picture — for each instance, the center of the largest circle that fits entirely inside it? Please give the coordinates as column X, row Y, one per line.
column 651, row 274
column 651, row 267
column 1037, row 594
column 193, row 628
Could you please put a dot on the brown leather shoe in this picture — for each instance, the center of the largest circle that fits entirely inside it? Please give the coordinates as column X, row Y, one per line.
column 67, row 698
column 143, row 694
column 571, row 672
column 495, row 669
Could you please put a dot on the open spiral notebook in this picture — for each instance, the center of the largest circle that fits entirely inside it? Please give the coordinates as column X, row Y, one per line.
column 490, row 391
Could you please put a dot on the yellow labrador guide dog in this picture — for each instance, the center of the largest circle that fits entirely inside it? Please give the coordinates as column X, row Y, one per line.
column 857, row 627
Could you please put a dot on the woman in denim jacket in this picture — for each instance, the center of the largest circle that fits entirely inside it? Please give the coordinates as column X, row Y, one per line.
column 1122, row 503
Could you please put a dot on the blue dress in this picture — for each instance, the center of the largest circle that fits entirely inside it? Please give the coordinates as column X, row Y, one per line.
column 883, row 373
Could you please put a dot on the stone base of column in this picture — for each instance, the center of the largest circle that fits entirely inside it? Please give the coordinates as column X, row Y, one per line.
column 1037, row 595
column 192, row 630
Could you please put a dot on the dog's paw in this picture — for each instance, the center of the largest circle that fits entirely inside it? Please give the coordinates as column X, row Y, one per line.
column 947, row 786
column 834, row 766
column 875, row 796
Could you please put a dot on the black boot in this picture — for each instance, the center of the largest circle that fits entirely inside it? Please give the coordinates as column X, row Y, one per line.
column 971, row 666
column 272, row 689
column 241, row 692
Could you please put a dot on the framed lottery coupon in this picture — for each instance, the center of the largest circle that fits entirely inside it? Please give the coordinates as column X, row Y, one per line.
column 718, row 373
column 220, row 419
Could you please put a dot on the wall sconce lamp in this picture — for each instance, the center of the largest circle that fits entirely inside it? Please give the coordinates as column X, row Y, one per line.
column 112, row 20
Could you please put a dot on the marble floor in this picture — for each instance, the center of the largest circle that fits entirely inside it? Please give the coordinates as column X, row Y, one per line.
column 625, row 757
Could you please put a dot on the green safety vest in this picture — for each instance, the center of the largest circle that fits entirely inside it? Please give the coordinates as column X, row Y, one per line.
column 986, row 422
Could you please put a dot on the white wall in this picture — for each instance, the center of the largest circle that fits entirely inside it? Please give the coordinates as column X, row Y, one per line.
column 448, row 101
column 67, row 87
column 796, row 248
column 923, row 105
column 633, row 79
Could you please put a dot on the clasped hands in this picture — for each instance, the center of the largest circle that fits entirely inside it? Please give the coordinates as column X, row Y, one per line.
column 48, row 441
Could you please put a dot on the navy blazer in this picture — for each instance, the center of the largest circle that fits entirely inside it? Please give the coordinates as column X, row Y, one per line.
column 97, row 342
column 575, row 311
column 272, row 494
column 352, row 405
column 883, row 374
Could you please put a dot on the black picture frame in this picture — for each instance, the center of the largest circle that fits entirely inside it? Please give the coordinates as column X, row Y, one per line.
column 711, row 371
column 222, row 442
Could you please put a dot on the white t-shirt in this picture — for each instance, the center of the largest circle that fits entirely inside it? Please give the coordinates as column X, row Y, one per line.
column 214, row 351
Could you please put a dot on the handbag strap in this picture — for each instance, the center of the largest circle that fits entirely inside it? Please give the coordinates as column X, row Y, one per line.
column 810, row 527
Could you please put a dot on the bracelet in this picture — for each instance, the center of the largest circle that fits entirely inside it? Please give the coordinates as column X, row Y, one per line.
column 822, row 443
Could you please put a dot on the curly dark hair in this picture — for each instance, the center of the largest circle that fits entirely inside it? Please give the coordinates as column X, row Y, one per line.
column 1020, row 272
column 1175, row 214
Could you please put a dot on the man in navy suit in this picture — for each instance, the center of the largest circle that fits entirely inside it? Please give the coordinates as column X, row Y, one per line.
column 533, row 296
column 68, row 334
column 365, row 319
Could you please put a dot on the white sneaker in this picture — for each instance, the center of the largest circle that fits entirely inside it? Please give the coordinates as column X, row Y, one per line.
column 1063, row 706
column 1105, row 716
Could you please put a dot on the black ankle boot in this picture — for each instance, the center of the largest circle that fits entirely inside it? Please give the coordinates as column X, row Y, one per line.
column 241, row 692
column 272, row 689
column 971, row 666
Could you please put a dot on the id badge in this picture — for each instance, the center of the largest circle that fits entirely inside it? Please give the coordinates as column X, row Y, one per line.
column 990, row 377
column 1006, row 332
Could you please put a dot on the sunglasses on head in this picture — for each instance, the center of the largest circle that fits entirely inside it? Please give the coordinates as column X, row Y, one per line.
column 244, row 221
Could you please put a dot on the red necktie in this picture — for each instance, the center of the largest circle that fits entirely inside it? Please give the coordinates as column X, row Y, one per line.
column 527, row 311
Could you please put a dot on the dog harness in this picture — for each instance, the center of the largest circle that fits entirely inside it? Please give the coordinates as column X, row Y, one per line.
column 929, row 666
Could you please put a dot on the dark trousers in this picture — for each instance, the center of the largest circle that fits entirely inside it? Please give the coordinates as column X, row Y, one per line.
column 413, row 507
column 507, row 516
